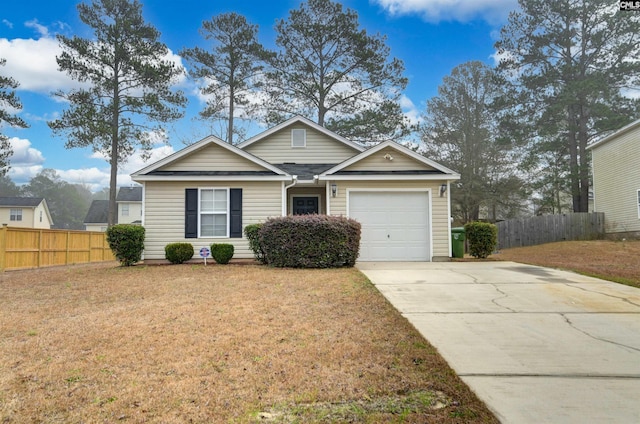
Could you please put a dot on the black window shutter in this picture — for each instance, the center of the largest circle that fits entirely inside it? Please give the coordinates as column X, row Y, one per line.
column 191, row 213
column 235, row 212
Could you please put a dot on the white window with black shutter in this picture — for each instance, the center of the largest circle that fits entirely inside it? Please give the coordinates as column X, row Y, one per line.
column 213, row 213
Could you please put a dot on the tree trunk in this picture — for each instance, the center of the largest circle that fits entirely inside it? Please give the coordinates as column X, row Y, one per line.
column 584, row 162
column 231, row 107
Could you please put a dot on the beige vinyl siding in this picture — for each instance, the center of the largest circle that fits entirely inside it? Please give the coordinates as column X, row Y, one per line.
column 164, row 213
column 135, row 212
column 212, row 157
column 377, row 162
column 96, row 227
column 30, row 217
column 319, row 149
column 616, row 182
column 439, row 207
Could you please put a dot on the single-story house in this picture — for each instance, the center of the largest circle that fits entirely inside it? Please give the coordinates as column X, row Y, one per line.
column 616, row 180
column 129, row 202
column 26, row 212
column 209, row 191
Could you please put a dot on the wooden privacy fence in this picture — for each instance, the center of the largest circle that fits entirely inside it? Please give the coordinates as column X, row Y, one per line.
column 550, row 228
column 33, row 248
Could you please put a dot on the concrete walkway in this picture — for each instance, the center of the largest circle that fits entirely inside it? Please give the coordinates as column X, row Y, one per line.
column 537, row 345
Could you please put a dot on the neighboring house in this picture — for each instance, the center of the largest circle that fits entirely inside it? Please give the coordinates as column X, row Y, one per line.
column 27, row 212
column 616, row 180
column 129, row 201
column 209, row 191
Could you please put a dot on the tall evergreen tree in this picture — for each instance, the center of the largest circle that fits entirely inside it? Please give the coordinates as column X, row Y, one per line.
column 8, row 100
column 129, row 85
column 573, row 61
column 230, row 69
column 461, row 131
column 330, row 70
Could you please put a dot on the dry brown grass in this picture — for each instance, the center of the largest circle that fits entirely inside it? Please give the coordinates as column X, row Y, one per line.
column 237, row 343
column 612, row 260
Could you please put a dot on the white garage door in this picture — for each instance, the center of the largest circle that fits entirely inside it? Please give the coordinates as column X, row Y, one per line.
column 395, row 225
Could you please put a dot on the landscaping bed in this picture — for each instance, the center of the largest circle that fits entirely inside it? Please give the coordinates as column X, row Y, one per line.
column 234, row 343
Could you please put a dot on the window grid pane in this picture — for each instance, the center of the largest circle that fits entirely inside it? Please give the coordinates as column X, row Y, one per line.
column 213, row 212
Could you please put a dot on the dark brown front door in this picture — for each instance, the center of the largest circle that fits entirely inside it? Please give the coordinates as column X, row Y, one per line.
column 305, row 205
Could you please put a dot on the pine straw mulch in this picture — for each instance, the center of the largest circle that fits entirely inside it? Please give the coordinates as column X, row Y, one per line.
column 236, row 343
column 617, row 261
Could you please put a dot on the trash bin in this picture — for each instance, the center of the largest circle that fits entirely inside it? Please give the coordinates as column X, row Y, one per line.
column 457, row 242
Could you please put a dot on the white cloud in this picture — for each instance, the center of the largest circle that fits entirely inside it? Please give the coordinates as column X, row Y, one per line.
column 41, row 29
column 410, row 110
column 7, row 23
column 33, row 64
column 24, row 154
column 493, row 11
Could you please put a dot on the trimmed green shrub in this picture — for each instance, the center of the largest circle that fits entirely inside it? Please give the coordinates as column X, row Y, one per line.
column 126, row 242
column 310, row 241
column 482, row 238
column 252, row 233
column 222, row 252
column 177, row 253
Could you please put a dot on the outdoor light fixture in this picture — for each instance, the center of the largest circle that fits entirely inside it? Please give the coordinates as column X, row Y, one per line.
column 334, row 190
column 443, row 190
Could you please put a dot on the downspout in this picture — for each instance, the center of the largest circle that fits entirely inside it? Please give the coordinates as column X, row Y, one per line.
column 285, row 197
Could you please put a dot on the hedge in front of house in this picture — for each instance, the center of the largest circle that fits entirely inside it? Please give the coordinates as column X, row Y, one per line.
column 222, row 252
column 310, row 241
column 482, row 238
column 252, row 233
column 177, row 253
column 126, row 242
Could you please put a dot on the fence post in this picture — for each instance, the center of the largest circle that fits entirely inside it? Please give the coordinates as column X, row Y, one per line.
column 3, row 246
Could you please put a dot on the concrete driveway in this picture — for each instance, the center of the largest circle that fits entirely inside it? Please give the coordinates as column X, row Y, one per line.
column 537, row 345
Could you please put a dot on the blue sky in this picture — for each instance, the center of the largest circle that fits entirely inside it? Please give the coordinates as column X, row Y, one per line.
column 431, row 37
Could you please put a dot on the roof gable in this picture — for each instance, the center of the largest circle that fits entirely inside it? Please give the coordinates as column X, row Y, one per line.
column 305, row 122
column 211, row 157
column 390, row 158
column 615, row 135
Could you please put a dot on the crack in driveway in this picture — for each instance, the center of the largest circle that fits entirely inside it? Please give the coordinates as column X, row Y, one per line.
column 624, row 299
column 586, row 333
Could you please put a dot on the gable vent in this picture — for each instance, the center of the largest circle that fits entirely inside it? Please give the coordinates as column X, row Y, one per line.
column 298, row 138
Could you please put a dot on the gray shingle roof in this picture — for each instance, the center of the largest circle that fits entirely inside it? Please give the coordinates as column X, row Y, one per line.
column 20, row 201
column 305, row 171
column 129, row 194
column 98, row 212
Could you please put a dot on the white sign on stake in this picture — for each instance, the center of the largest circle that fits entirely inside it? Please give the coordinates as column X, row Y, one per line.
column 204, row 253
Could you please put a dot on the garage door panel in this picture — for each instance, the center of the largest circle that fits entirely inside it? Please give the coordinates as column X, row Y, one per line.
column 395, row 225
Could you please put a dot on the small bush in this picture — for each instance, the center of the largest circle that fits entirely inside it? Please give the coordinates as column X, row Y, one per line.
column 482, row 238
column 310, row 241
column 222, row 252
column 177, row 253
column 126, row 242
column 252, row 233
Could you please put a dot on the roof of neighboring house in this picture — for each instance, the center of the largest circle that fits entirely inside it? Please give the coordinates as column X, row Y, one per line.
column 98, row 212
column 129, row 194
column 26, row 202
column 614, row 135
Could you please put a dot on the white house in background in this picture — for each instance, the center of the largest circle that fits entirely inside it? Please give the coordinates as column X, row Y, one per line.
column 26, row 212
column 616, row 180
column 129, row 201
column 209, row 191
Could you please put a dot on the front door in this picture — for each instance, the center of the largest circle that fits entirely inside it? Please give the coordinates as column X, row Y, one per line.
column 305, row 205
